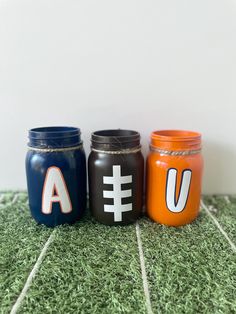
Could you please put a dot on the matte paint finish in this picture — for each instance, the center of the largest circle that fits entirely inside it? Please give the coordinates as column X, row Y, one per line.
column 101, row 164
column 158, row 170
column 73, row 167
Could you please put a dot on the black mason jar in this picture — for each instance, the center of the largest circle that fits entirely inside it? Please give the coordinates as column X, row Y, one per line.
column 116, row 170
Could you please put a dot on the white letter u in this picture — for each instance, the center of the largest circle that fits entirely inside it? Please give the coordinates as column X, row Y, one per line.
column 179, row 205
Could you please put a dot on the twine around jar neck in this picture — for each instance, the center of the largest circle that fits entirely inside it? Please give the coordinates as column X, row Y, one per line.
column 174, row 152
column 118, row 152
column 52, row 150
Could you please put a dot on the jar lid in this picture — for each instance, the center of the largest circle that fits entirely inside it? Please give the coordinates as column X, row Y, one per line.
column 116, row 139
column 177, row 140
column 54, row 137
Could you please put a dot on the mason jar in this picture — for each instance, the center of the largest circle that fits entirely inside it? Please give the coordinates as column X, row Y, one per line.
column 56, row 175
column 116, row 167
column 174, row 177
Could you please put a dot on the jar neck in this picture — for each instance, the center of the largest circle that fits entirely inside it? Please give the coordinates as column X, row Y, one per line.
column 115, row 140
column 54, row 137
column 176, row 141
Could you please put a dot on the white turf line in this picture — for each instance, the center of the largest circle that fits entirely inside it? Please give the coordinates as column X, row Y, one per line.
column 218, row 225
column 143, row 269
column 227, row 199
column 32, row 274
column 1, row 199
column 15, row 199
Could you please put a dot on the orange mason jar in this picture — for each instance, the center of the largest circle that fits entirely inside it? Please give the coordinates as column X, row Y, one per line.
column 174, row 176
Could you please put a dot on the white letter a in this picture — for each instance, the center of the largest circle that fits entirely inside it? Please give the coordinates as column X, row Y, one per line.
column 173, row 205
column 55, row 190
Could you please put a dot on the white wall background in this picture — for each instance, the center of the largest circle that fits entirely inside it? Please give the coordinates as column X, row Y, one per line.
column 141, row 65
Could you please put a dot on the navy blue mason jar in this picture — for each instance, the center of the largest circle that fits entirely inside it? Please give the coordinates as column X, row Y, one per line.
column 56, row 175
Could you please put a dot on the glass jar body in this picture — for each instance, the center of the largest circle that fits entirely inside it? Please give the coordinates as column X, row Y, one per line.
column 116, row 186
column 173, row 189
column 56, row 183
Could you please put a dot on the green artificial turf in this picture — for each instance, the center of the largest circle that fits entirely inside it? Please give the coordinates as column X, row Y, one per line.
column 91, row 268
column 190, row 269
column 20, row 244
column 224, row 212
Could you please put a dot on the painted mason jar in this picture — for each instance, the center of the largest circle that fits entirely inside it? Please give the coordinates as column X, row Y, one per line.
column 174, row 176
column 56, row 175
column 116, row 167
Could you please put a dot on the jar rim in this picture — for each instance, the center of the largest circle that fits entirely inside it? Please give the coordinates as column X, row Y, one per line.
column 53, row 131
column 112, row 135
column 176, row 139
column 54, row 137
column 115, row 139
column 176, row 135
